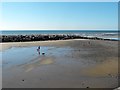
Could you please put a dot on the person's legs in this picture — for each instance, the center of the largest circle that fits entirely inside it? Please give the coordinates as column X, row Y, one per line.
column 39, row 52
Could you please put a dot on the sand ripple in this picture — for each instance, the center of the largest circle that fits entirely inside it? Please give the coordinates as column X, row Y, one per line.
column 38, row 63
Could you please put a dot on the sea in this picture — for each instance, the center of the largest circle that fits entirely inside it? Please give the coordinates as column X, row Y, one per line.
column 106, row 34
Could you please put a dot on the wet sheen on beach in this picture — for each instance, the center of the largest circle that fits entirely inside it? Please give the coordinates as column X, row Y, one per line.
column 70, row 63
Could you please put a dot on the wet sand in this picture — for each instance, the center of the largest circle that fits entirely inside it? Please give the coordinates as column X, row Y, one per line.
column 66, row 64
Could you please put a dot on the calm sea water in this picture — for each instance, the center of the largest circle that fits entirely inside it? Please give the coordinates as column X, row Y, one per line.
column 89, row 33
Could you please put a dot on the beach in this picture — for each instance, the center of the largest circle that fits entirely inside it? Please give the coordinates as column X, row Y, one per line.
column 59, row 44
column 78, row 63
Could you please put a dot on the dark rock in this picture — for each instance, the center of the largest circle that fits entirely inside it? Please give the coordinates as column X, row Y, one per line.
column 39, row 37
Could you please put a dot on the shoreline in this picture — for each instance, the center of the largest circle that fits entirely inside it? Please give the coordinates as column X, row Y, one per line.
column 7, row 45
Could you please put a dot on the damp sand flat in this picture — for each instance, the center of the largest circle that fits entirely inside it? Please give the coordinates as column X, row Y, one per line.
column 70, row 64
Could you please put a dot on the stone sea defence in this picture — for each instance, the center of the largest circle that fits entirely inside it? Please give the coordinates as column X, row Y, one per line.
column 42, row 37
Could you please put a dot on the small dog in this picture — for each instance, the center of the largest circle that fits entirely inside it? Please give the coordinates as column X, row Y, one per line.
column 43, row 53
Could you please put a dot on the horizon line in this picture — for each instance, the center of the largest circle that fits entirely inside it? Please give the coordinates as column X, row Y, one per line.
column 59, row 30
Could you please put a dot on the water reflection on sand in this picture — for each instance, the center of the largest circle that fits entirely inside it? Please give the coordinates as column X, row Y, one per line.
column 63, row 66
column 21, row 55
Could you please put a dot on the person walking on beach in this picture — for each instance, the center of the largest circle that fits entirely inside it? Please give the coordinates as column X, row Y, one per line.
column 38, row 49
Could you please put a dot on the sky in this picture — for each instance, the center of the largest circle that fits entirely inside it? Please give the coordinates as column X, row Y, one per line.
column 60, row 0
column 59, row 16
